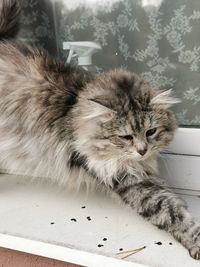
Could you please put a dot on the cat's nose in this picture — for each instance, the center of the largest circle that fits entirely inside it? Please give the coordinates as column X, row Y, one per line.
column 142, row 152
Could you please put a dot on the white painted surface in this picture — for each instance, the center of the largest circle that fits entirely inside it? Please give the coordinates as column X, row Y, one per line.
column 62, row 253
column 181, row 168
column 186, row 141
column 27, row 210
column 181, row 171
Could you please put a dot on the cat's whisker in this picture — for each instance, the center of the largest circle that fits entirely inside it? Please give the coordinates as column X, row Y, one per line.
column 166, row 166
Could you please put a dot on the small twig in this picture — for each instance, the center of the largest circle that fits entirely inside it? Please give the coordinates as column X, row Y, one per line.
column 130, row 252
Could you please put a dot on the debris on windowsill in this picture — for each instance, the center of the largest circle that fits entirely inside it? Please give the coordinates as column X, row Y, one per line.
column 129, row 253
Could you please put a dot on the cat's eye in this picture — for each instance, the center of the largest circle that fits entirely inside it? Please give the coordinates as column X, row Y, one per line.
column 127, row 137
column 150, row 132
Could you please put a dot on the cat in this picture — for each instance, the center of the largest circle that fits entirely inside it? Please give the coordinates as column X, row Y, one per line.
column 57, row 121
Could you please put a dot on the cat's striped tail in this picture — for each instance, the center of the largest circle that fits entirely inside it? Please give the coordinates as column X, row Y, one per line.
column 9, row 18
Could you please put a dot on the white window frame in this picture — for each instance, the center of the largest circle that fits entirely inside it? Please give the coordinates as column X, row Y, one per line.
column 186, row 142
column 180, row 166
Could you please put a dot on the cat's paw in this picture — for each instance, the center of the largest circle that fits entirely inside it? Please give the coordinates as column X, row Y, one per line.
column 195, row 252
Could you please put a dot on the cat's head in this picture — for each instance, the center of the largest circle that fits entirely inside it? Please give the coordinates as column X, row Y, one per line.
column 119, row 115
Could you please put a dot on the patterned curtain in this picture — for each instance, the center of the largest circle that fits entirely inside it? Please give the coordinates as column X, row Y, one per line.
column 37, row 24
column 158, row 39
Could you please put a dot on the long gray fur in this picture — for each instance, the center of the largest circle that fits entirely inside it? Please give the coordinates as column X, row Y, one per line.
column 57, row 121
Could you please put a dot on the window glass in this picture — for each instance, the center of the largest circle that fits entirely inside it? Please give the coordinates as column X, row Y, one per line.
column 158, row 39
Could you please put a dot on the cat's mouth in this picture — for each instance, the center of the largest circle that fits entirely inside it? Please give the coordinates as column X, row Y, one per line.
column 142, row 158
column 135, row 156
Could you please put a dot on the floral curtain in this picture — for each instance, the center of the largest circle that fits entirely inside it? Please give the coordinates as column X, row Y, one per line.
column 37, row 24
column 158, row 39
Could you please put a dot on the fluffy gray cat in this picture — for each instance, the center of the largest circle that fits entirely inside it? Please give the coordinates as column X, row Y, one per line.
column 57, row 122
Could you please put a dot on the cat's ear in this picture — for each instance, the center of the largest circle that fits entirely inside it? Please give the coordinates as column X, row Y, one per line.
column 164, row 98
column 99, row 108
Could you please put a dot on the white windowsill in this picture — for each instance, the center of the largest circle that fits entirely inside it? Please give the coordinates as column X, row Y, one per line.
column 27, row 210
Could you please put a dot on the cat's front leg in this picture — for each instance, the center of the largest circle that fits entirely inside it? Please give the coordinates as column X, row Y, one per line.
column 156, row 203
